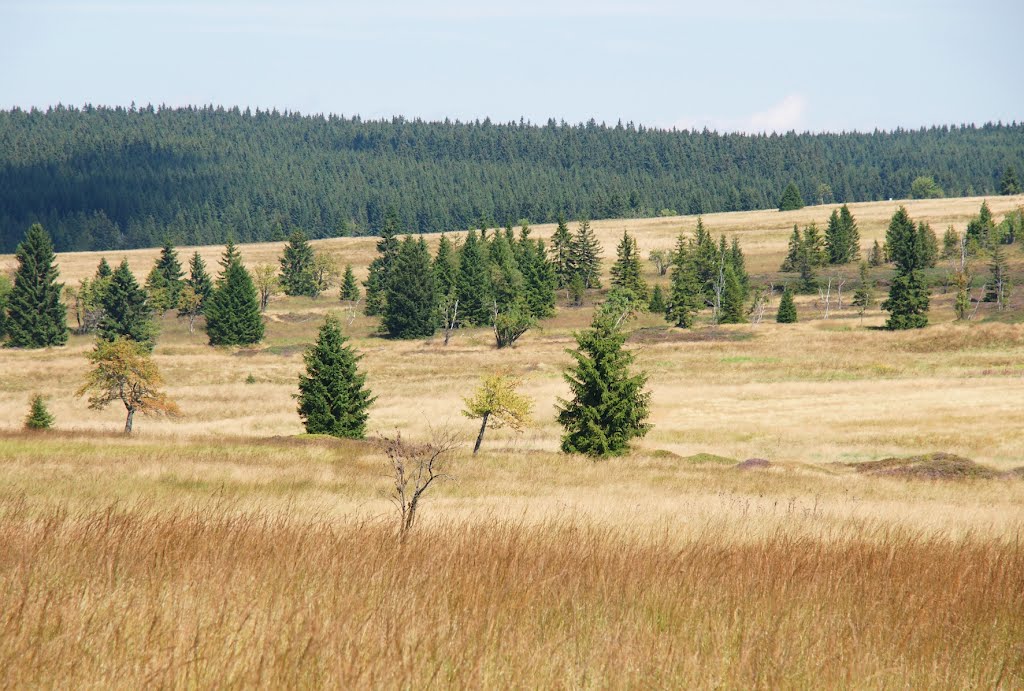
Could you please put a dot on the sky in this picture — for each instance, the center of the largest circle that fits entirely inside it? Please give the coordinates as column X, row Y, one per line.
column 728, row 65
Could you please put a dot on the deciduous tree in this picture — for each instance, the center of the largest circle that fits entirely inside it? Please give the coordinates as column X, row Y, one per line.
column 498, row 401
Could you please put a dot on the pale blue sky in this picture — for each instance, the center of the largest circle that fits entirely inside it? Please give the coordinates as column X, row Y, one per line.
column 727, row 64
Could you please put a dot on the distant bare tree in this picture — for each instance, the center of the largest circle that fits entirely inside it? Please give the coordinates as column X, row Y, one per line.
column 414, row 468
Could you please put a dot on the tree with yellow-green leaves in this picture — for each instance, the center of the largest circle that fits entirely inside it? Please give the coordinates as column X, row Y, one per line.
column 497, row 401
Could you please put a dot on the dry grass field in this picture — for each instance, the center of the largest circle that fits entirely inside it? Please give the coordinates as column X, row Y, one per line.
column 224, row 548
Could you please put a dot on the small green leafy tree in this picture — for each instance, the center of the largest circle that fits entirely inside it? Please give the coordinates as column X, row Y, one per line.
column 609, row 405
column 190, row 306
column 497, row 401
column 267, row 283
column 787, row 308
column 925, row 187
column 39, row 418
column 333, row 397
column 123, row 370
column 324, row 273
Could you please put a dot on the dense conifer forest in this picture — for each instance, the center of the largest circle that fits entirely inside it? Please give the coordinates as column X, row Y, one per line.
column 110, row 178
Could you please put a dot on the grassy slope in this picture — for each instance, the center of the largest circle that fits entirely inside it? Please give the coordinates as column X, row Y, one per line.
column 219, row 549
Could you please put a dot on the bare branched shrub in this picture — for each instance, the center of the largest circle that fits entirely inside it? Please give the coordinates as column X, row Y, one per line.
column 413, row 467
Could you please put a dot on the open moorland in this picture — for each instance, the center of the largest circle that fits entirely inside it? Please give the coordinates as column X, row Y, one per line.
column 226, row 548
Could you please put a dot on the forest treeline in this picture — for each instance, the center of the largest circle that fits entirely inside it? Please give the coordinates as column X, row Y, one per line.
column 115, row 178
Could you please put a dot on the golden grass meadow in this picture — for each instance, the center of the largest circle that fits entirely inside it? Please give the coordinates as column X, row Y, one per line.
column 227, row 549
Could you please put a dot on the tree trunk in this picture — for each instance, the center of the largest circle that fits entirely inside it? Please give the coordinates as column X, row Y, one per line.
column 480, row 437
column 128, row 421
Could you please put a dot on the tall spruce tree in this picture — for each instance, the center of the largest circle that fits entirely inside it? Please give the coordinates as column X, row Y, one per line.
column 1008, row 183
column 796, row 244
column 609, row 405
column 506, row 278
column 908, row 296
column 230, row 256
column 706, row 261
column 686, row 296
column 297, row 266
column 850, row 234
column 539, row 279
column 126, row 310
column 198, row 279
column 561, row 253
column 169, row 269
column 791, row 199
column 233, row 309
column 586, row 255
column 410, row 307
column 474, row 287
column 733, row 298
column 36, row 316
column 379, row 276
column 627, row 271
column 333, row 397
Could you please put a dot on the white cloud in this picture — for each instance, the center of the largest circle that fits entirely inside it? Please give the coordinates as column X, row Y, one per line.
column 788, row 114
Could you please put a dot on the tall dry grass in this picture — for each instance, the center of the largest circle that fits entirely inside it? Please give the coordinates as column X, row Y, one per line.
column 207, row 596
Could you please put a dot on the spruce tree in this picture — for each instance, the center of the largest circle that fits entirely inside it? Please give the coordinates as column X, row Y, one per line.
column 126, row 310
column 103, row 269
column 792, row 260
column 850, row 234
column 333, row 397
column 982, row 227
column 791, row 199
column 36, row 315
column 410, row 307
column 506, row 279
column 864, row 296
column 169, row 268
column 474, row 288
column 297, row 266
column 609, row 406
column 39, row 418
column 685, row 296
column 733, row 299
column 950, row 243
column 446, row 267
column 230, row 256
column 539, row 279
column 627, row 271
column 876, row 257
column 814, row 245
column 198, row 279
column 349, row 287
column 656, row 304
column 379, row 276
column 233, row 309
column 561, row 251
column 586, row 255
column 999, row 284
column 739, row 265
column 787, row 308
column 929, row 245
column 908, row 296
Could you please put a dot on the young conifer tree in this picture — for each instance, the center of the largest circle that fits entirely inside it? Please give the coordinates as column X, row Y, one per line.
column 410, row 309
column 586, row 255
column 199, row 279
column 379, row 277
column 685, row 296
column 349, row 287
column 168, row 268
column 474, row 283
column 126, row 310
column 627, row 271
column 791, row 199
column 39, row 417
column 609, row 405
column 297, row 266
column 561, row 251
column 233, row 309
column 333, row 397
column 733, row 299
column 908, row 295
column 36, row 315
column 656, row 304
column 787, row 308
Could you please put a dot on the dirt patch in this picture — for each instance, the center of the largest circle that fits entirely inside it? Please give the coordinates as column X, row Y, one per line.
column 662, row 334
column 754, row 464
column 932, row 466
column 1016, row 473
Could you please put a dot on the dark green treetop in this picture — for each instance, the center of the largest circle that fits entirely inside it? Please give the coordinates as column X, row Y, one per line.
column 36, row 315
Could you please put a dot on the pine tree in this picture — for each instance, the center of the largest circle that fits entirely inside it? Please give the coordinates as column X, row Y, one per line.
column 685, row 296
column 39, row 418
column 297, row 266
column 333, row 397
column 474, row 287
column 506, row 279
column 792, row 260
column 379, row 276
column 446, row 267
column 199, row 280
column 561, row 250
column 539, row 279
column 586, row 255
column 609, row 406
column 349, row 286
column 36, row 315
column 706, row 261
column 627, row 271
column 233, row 309
column 169, row 268
column 808, row 279
column 126, row 310
column 787, row 308
column 733, row 299
column 929, row 244
column 739, row 265
column 864, row 296
column 103, row 269
column 876, row 257
column 656, row 304
column 814, row 245
column 982, row 227
column 850, row 234
column 999, row 285
column 410, row 307
column 791, row 199
column 230, row 256
column 1008, row 184
column 908, row 296
column 950, row 243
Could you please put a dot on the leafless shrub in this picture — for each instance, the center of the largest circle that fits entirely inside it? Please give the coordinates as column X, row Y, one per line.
column 413, row 468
